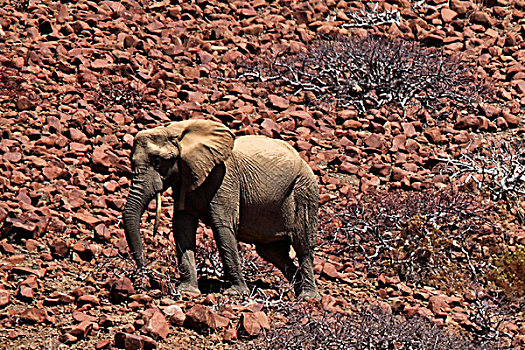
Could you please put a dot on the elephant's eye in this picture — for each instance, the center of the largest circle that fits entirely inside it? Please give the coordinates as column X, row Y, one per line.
column 155, row 161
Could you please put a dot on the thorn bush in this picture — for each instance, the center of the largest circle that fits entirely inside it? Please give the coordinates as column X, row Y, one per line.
column 433, row 237
column 307, row 329
column 371, row 72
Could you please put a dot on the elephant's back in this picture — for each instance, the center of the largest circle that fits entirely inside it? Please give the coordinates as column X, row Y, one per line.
column 264, row 149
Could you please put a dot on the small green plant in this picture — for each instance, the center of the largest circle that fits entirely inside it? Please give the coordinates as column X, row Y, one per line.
column 509, row 270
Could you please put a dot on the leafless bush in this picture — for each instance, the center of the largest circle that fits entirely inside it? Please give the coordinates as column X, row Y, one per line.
column 13, row 84
column 497, row 168
column 487, row 319
column 371, row 17
column 366, row 329
column 127, row 93
column 371, row 72
column 433, row 237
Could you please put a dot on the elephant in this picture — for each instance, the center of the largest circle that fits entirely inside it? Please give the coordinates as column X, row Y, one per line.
column 252, row 189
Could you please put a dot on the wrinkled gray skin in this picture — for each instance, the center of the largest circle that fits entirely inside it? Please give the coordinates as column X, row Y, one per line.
column 257, row 190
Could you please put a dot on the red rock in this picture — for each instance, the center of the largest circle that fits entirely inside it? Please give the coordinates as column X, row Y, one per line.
column 157, row 325
column 62, row 13
column 134, row 342
column 81, row 317
column 21, row 270
column 102, row 156
column 23, row 103
column 520, row 87
column 201, row 317
column 303, row 145
column 254, row 29
column 412, row 146
column 438, row 304
column 398, row 174
column 398, row 143
column 409, row 129
column 230, row 334
column 6, row 247
column 511, row 119
column 349, row 168
column 52, row 172
column 501, row 123
column 410, row 311
column 31, row 281
column 448, row 15
column 330, row 270
column 433, row 135
column 467, row 121
column 67, row 338
column 460, row 318
column 86, row 218
column 271, row 126
column 5, row 297
column 88, row 299
column 16, row 259
column 100, row 64
column 253, row 323
column 13, row 157
column 121, row 290
column 231, row 56
column 375, row 141
column 175, row 315
column 59, row 248
column 26, row 292
column 103, row 344
column 22, row 227
column 33, row 315
column 82, row 329
column 278, row 102
column 481, row 18
column 461, row 7
column 515, row 68
column 106, row 321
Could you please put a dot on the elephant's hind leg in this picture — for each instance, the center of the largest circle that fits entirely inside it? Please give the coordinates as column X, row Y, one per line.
column 304, row 233
column 306, row 282
column 278, row 253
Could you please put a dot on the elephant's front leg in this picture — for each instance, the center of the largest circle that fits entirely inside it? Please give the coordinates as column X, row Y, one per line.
column 185, row 233
column 227, row 245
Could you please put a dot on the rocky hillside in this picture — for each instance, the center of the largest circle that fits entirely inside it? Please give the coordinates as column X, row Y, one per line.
column 78, row 79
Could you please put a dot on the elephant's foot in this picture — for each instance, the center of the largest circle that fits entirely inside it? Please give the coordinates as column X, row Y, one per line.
column 237, row 289
column 310, row 294
column 187, row 287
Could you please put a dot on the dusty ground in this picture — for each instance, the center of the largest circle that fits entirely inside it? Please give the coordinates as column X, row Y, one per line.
column 80, row 79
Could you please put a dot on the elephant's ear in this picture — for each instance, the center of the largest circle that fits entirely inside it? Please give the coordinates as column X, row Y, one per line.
column 203, row 145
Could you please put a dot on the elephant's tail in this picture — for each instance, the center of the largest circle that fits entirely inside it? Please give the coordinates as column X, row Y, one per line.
column 307, row 207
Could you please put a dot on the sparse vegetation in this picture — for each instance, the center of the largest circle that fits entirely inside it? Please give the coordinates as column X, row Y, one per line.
column 366, row 329
column 371, row 72
column 509, row 270
column 423, row 237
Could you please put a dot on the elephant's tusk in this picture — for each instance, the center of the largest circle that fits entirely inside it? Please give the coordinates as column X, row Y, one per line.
column 157, row 214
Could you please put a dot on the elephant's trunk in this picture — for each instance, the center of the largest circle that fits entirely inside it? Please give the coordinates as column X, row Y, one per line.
column 140, row 194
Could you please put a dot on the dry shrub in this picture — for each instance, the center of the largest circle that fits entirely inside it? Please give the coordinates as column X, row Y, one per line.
column 371, row 72
column 126, row 93
column 433, row 237
column 492, row 165
column 367, row 329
